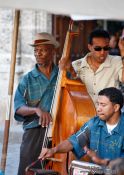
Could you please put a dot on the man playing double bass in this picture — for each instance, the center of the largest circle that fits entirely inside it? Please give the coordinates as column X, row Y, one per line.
column 33, row 99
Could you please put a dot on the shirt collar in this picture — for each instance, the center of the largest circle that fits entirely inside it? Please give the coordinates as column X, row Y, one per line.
column 107, row 62
column 101, row 123
column 118, row 127
column 84, row 61
column 36, row 72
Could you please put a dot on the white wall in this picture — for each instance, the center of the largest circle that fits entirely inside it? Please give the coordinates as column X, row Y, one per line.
column 30, row 23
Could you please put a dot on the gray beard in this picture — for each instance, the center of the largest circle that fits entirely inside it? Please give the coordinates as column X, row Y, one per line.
column 42, row 65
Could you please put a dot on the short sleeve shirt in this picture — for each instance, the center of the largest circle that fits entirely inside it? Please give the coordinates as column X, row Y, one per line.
column 109, row 74
column 106, row 145
column 35, row 89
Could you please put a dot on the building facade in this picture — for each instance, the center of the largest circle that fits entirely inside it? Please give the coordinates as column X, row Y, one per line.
column 30, row 22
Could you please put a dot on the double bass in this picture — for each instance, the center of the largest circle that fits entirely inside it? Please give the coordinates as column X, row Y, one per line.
column 71, row 108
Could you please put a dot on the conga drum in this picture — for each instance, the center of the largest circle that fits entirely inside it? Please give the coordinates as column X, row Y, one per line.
column 86, row 168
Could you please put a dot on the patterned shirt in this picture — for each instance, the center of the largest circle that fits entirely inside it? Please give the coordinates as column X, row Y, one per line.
column 109, row 74
column 106, row 145
column 35, row 89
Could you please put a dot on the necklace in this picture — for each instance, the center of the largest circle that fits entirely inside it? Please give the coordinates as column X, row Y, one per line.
column 92, row 65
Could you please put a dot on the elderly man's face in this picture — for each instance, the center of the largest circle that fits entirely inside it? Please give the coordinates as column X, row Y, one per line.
column 44, row 54
column 106, row 109
column 99, row 49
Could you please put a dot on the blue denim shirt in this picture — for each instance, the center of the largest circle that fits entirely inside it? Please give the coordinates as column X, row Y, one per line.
column 35, row 89
column 106, row 145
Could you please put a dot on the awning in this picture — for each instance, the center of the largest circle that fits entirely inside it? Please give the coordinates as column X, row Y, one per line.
column 77, row 9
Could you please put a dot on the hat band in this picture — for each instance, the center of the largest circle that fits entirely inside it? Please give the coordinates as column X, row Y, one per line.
column 40, row 41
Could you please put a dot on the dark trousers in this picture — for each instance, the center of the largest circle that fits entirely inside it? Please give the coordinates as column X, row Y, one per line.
column 30, row 148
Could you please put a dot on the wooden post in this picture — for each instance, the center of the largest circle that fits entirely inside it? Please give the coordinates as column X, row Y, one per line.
column 10, row 92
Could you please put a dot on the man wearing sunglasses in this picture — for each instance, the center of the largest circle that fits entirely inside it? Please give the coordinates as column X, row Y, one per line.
column 98, row 69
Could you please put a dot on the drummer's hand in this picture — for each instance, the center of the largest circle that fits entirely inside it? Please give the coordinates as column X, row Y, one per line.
column 64, row 64
column 117, row 165
column 46, row 153
column 92, row 154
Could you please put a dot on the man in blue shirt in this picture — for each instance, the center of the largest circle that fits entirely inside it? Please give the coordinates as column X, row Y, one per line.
column 33, row 99
column 103, row 134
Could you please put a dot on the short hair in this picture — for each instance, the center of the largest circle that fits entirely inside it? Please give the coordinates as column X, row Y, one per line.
column 114, row 95
column 98, row 33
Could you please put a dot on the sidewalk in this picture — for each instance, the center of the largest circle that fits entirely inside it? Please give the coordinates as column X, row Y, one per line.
column 13, row 149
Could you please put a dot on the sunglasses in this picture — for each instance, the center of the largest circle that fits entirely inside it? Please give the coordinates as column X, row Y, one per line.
column 105, row 48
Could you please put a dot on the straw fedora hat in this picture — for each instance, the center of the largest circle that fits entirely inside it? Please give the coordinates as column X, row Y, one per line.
column 44, row 38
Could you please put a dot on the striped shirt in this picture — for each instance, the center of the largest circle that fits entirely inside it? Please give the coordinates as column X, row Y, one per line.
column 34, row 89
